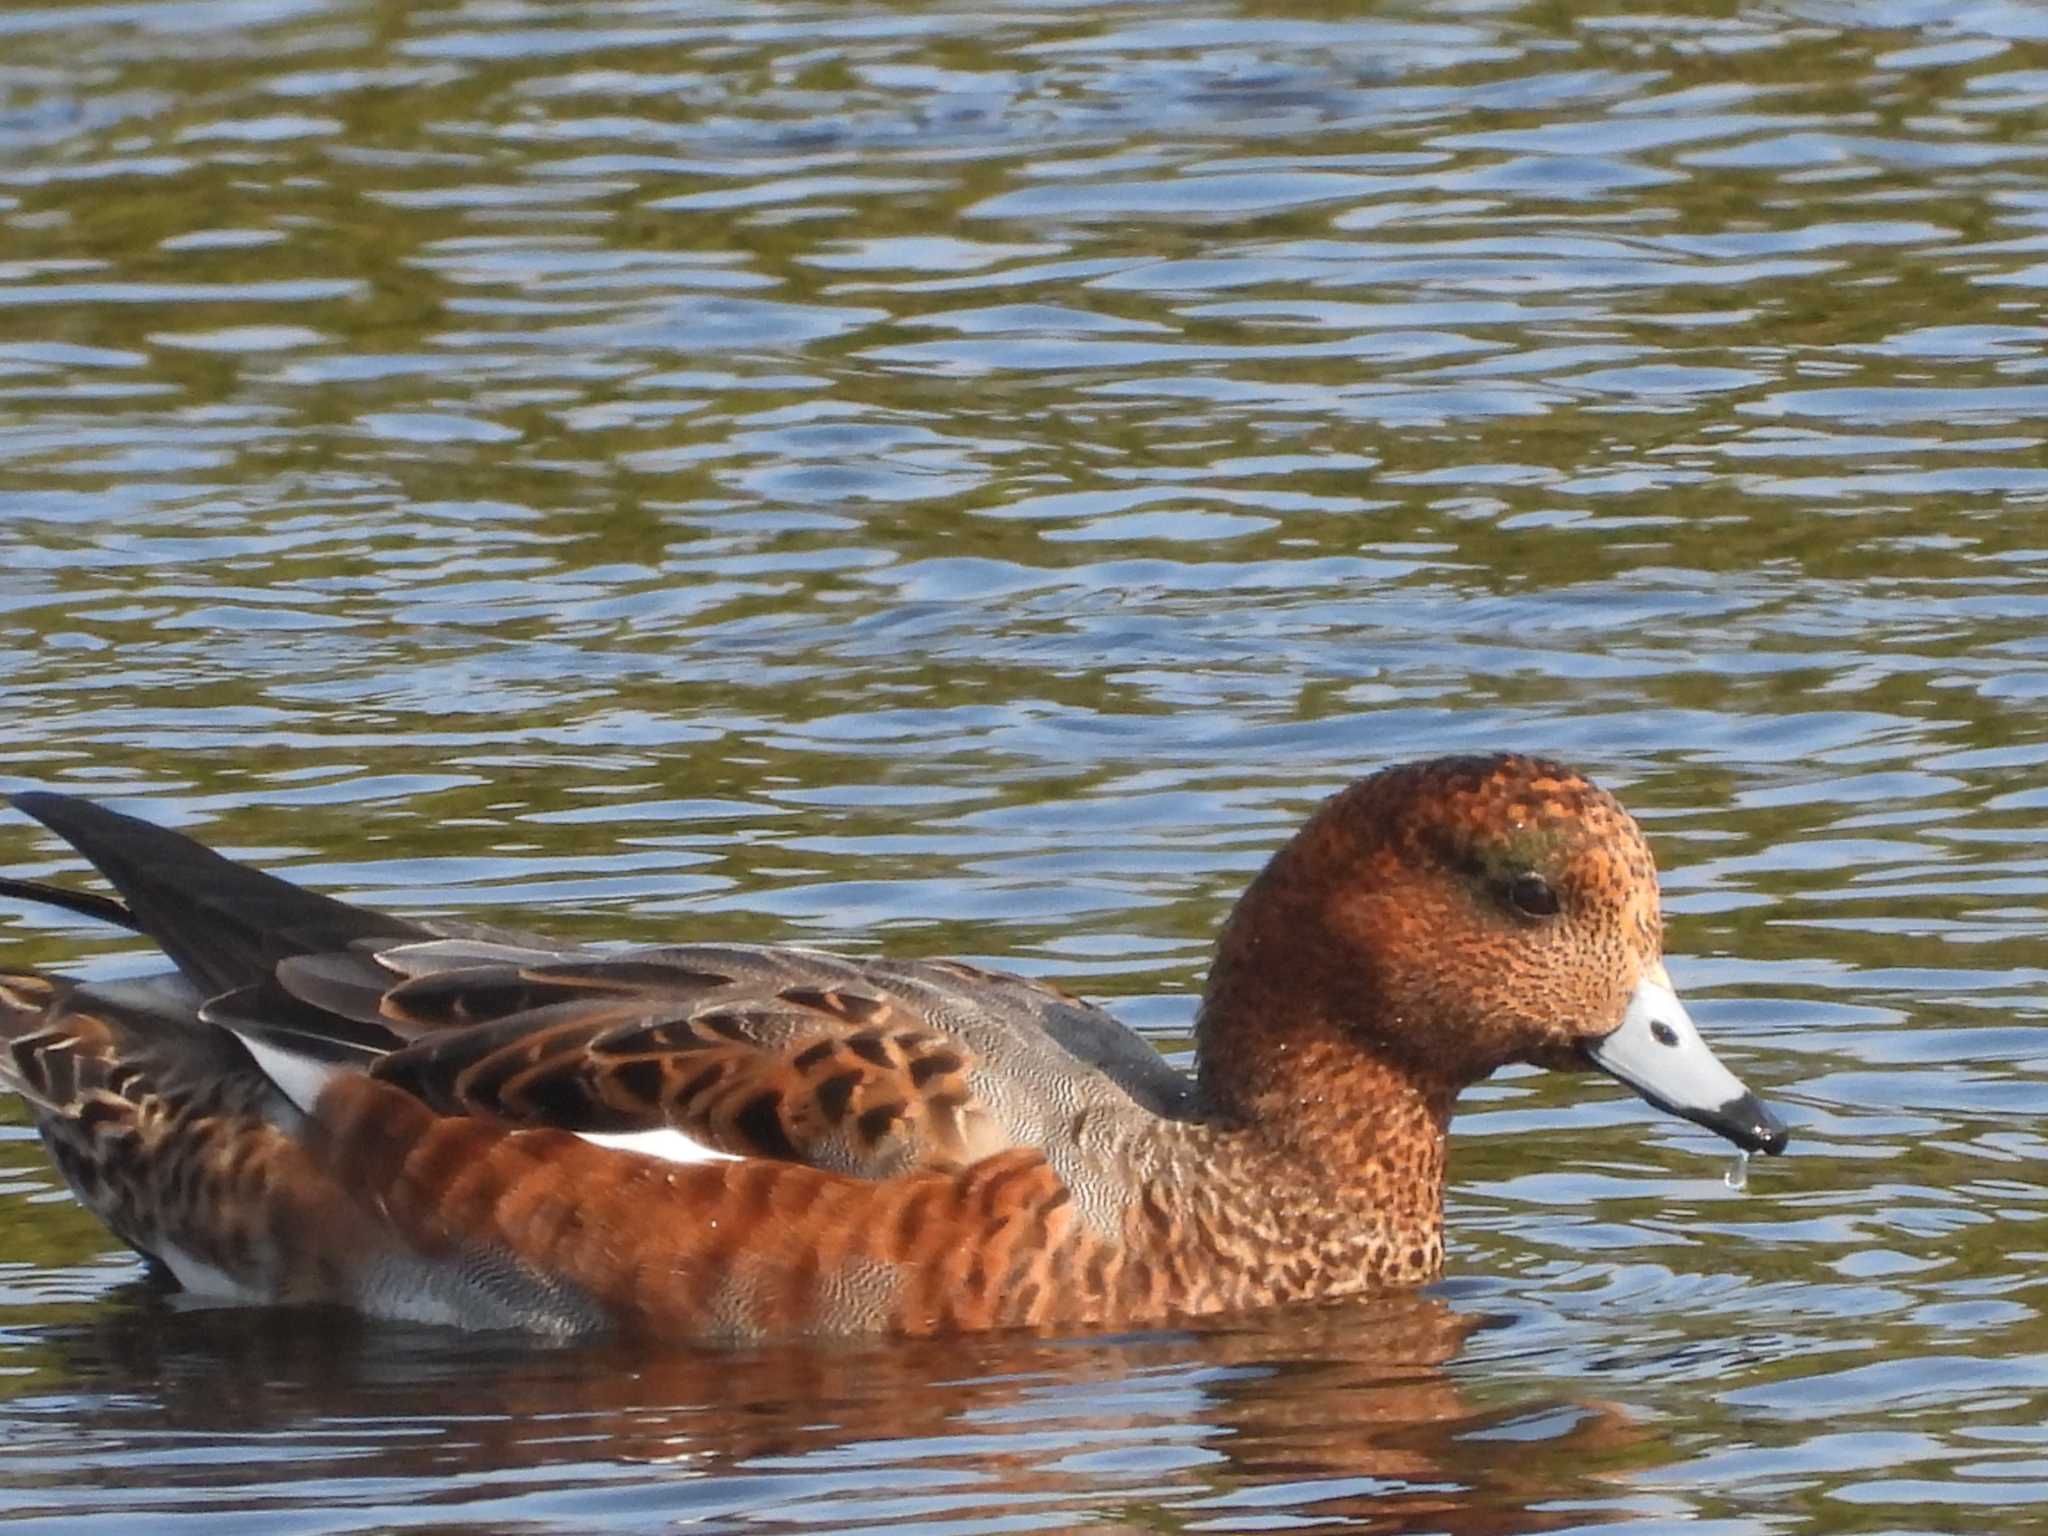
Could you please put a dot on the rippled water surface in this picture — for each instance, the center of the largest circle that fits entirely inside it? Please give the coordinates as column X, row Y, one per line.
column 967, row 479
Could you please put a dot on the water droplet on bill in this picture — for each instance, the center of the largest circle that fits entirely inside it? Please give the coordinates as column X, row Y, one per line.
column 1737, row 1176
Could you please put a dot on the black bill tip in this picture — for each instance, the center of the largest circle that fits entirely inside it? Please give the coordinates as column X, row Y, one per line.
column 1747, row 1121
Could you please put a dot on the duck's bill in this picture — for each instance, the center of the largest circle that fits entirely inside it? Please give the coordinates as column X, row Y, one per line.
column 1658, row 1052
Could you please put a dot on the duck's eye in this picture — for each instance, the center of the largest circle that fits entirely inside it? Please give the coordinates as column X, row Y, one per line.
column 1532, row 896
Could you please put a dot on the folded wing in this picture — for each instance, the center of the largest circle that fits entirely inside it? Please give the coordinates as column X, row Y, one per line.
column 867, row 1067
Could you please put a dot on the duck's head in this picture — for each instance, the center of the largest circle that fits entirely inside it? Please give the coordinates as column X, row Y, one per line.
column 1456, row 915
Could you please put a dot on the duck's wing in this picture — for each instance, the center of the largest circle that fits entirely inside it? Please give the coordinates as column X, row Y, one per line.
column 863, row 1066
column 866, row 1067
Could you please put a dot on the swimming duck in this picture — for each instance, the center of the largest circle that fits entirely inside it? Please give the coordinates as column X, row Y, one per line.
column 433, row 1121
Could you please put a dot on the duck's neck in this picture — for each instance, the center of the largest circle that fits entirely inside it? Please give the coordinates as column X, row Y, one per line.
column 1327, row 1088
column 1324, row 1174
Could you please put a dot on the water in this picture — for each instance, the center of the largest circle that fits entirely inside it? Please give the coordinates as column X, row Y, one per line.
column 968, row 479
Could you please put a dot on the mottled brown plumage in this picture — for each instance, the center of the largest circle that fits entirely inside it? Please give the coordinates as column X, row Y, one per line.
column 328, row 1104
column 162, row 1127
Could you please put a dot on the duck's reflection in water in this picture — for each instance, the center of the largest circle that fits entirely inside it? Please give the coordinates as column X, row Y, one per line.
column 1341, row 1415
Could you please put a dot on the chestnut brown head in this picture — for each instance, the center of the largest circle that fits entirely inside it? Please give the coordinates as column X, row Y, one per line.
column 1456, row 915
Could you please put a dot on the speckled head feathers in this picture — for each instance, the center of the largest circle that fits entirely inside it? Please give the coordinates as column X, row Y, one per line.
column 1455, row 915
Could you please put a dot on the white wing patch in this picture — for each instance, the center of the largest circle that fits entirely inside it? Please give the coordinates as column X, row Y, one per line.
column 300, row 1077
column 668, row 1144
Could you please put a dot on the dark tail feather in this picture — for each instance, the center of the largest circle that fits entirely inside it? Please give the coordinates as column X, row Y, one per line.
column 102, row 909
column 223, row 924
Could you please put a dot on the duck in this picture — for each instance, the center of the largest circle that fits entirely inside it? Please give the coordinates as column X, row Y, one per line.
column 440, row 1122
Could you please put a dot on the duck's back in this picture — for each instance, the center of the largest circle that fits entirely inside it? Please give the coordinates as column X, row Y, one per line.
column 866, row 1067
